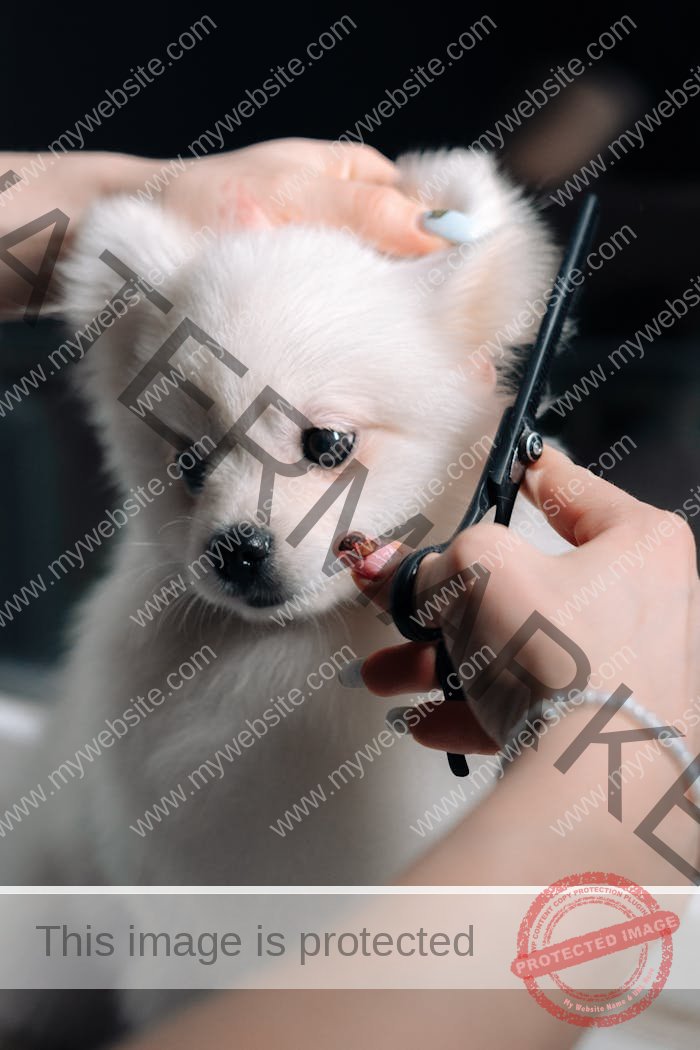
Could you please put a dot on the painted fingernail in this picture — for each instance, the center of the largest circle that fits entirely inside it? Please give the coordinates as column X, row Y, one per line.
column 351, row 549
column 351, row 674
column 373, row 566
column 453, row 226
column 357, row 543
column 396, row 719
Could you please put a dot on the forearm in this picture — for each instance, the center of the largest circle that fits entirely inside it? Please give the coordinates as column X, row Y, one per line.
column 507, row 840
column 71, row 183
column 353, row 1020
column 511, row 838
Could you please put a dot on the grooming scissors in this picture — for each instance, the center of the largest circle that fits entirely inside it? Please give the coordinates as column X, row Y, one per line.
column 517, row 444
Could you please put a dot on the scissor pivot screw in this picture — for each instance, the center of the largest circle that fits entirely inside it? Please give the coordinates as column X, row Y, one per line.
column 531, row 447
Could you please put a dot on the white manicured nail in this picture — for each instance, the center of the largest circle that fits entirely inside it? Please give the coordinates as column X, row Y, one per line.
column 351, row 674
column 453, row 226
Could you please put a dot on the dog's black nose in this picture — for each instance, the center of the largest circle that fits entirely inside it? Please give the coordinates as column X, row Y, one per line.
column 239, row 553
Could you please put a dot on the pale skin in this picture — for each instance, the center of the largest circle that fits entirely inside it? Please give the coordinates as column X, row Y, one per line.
column 333, row 184
column 655, row 610
column 602, row 522
column 508, row 838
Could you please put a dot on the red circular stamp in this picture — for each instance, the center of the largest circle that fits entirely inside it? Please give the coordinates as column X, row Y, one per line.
column 595, row 949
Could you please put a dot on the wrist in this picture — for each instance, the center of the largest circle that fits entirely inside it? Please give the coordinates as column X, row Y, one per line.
column 540, row 823
column 595, row 801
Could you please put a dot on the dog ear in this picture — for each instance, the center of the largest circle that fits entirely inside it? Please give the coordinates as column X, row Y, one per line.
column 490, row 291
column 119, row 234
column 115, row 326
column 491, row 294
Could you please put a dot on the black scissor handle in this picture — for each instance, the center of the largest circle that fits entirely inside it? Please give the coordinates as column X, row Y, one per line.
column 403, row 597
column 446, row 675
column 403, row 610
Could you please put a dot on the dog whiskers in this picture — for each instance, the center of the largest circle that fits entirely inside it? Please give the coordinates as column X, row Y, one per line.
column 186, row 520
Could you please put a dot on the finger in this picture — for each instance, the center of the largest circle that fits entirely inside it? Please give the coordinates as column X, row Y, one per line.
column 373, row 574
column 407, row 668
column 360, row 163
column 380, row 215
column 437, row 576
column 448, row 579
column 318, row 157
column 451, row 727
column 410, row 668
column 577, row 503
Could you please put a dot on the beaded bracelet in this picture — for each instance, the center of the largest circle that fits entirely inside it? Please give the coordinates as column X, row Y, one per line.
column 648, row 720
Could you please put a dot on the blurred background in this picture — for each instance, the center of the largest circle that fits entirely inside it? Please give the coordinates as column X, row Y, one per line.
column 56, row 66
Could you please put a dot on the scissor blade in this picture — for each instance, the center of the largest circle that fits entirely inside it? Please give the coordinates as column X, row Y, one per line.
column 564, row 291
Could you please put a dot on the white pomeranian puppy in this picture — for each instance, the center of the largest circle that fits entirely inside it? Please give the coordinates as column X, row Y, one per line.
column 280, row 389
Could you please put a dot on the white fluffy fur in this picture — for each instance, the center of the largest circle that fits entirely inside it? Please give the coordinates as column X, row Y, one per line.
column 349, row 339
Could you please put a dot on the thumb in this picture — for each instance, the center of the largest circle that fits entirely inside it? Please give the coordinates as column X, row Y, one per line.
column 379, row 214
column 578, row 504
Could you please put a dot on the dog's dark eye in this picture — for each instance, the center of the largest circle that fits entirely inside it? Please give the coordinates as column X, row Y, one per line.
column 193, row 468
column 328, row 448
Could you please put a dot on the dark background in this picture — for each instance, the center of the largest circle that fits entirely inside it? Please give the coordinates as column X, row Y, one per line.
column 55, row 65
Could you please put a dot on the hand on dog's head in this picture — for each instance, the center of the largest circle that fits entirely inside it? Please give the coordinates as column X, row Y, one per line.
column 290, row 384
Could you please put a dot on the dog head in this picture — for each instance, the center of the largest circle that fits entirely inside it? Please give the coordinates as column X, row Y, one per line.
column 288, row 386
